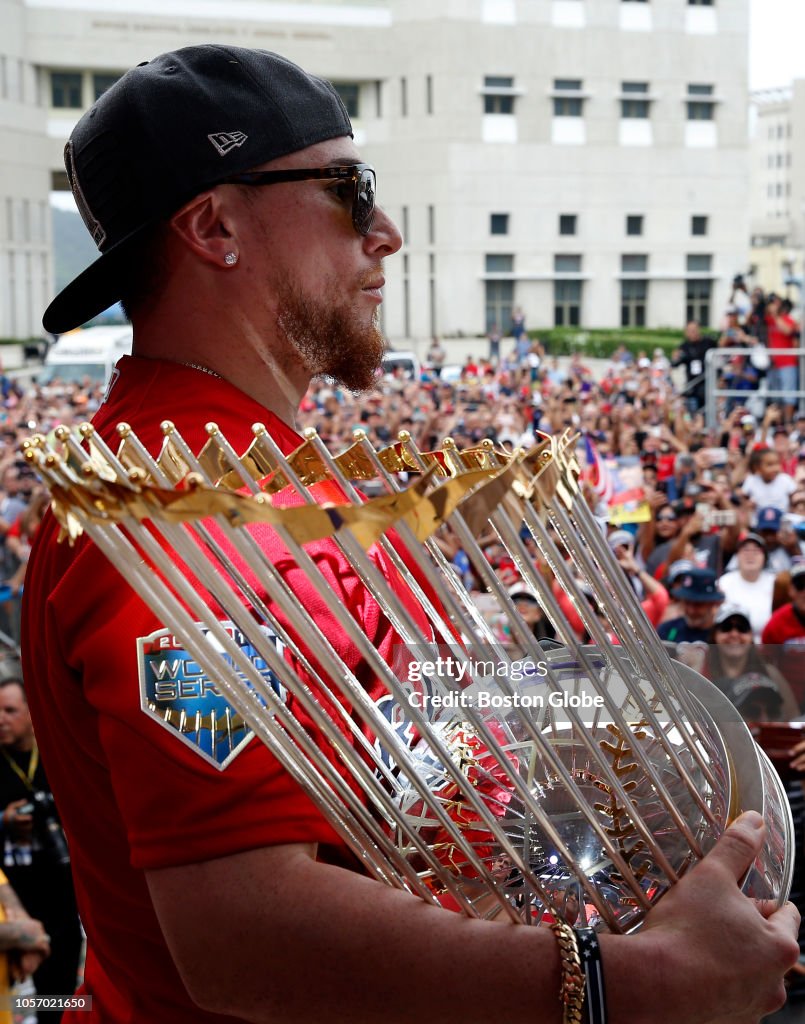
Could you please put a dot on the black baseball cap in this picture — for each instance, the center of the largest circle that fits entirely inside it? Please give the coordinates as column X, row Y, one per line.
column 166, row 131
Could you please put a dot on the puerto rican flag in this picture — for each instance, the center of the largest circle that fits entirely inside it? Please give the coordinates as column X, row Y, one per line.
column 596, row 472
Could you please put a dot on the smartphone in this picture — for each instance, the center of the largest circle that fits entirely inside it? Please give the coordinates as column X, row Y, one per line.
column 715, row 456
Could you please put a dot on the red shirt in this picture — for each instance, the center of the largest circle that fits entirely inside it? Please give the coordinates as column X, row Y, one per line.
column 783, row 641
column 132, row 794
column 779, row 339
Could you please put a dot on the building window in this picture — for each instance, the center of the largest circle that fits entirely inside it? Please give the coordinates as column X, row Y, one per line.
column 405, row 224
column 698, row 291
column 698, row 263
column 637, row 107
column 432, row 292
column 700, row 3
column 634, row 297
column 566, row 294
column 498, row 223
column 498, row 95
column 698, row 225
column 567, row 223
column 634, row 292
column 406, row 294
column 566, row 303
column 634, row 264
column 65, row 90
column 698, row 296
column 500, row 292
column 567, row 106
column 428, row 94
column 379, row 99
column 499, row 263
column 499, row 304
column 634, row 224
column 431, row 224
column 349, row 93
column 700, row 109
column 100, row 83
column 403, row 97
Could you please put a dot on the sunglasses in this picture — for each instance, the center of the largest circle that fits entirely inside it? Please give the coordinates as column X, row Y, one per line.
column 798, row 582
column 360, row 176
column 666, row 519
column 739, row 625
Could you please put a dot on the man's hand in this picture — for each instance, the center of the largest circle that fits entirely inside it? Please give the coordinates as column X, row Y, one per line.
column 27, row 944
column 694, row 526
column 627, row 562
column 20, row 826
column 720, row 952
column 797, row 755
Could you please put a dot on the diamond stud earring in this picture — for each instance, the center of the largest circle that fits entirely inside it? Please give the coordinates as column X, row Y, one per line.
column 231, row 258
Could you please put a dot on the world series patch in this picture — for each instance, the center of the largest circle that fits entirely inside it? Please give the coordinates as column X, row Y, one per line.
column 178, row 694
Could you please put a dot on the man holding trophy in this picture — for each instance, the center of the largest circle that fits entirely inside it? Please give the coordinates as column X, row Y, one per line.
column 239, row 227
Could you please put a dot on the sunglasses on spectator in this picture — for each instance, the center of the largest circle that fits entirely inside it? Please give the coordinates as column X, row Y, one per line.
column 739, row 625
column 798, row 582
column 360, row 177
column 666, row 519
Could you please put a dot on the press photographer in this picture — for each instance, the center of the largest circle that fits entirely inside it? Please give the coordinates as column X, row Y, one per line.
column 35, row 853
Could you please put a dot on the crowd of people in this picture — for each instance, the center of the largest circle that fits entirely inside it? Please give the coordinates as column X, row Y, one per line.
column 714, row 547
column 722, row 510
column 291, row 276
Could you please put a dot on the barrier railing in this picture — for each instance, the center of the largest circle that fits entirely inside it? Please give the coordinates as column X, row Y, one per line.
column 717, row 358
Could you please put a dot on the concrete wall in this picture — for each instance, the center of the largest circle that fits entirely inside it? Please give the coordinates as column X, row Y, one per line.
column 409, row 53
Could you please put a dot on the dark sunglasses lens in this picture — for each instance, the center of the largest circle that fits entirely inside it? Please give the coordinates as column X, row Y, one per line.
column 798, row 582
column 363, row 206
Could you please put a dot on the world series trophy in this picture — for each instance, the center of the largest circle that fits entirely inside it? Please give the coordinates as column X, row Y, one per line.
column 574, row 783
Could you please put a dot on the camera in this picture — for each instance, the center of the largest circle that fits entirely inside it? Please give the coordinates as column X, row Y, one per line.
column 48, row 837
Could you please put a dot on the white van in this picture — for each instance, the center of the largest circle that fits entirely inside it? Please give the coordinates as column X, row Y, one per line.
column 407, row 361
column 88, row 353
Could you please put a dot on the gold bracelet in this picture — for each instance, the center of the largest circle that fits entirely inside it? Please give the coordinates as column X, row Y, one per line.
column 571, row 992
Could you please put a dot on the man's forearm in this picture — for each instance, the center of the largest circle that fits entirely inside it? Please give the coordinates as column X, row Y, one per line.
column 284, row 939
column 311, row 938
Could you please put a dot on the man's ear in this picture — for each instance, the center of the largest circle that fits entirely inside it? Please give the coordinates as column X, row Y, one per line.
column 205, row 227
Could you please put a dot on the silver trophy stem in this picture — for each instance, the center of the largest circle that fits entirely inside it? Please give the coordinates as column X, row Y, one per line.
column 306, row 626
column 604, row 646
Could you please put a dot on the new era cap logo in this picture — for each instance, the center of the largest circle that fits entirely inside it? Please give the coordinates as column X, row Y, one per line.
column 225, row 141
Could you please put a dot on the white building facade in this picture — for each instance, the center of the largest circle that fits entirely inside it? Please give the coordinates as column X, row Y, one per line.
column 778, row 189
column 586, row 160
